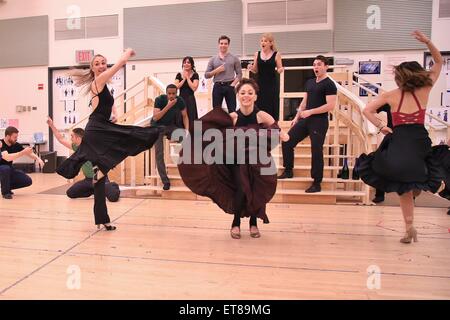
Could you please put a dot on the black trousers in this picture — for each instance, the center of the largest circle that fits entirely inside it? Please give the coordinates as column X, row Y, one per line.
column 221, row 91
column 316, row 128
column 11, row 179
column 85, row 189
column 100, row 209
column 379, row 193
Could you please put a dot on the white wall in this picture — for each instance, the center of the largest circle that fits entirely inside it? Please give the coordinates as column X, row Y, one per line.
column 19, row 85
column 440, row 29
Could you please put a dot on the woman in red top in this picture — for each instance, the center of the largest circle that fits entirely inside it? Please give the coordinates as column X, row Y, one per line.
column 404, row 162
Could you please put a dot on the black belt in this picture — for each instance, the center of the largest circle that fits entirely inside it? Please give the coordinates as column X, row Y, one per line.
column 223, row 83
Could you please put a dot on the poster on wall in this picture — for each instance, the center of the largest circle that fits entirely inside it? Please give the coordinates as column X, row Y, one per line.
column 5, row 123
column 13, row 123
column 442, row 113
column 369, row 67
column 390, row 63
column 364, row 93
column 428, row 61
column 203, row 85
column 70, row 105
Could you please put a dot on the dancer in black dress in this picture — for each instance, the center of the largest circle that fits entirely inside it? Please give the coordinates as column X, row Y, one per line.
column 105, row 143
column 404, row 162
column 187, row 82
column 237, row 188
column 266, row 64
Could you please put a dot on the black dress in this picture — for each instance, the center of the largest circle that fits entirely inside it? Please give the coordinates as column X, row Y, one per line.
column 218, row 181
column 106, row 144
column 188, row 96
column 405, row 160
column 269, row 89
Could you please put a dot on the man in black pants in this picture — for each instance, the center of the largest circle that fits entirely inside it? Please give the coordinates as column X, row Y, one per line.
column 85, row 187
column 227, row 72
column 168, row 109
column 11, row 178
column 311, row 120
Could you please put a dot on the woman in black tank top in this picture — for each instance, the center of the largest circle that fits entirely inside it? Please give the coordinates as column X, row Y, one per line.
column 239, row 189
column 105, row 143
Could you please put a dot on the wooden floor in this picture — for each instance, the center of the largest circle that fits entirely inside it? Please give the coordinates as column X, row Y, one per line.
column 182, row 250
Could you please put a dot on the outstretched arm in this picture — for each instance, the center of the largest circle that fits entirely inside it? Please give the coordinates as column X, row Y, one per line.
column 435, row 53
column 104, row 77
column 58, row 134
column 268, row 120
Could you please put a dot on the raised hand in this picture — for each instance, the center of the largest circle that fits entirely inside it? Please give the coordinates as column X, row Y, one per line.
column 49, row 121
column 41, row 163
column 220, row 69
column 129, row 53
column 420, row 36
column 171, row 103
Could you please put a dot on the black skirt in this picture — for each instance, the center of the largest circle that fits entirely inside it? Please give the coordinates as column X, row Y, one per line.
column 106, row 144
column 403, row 162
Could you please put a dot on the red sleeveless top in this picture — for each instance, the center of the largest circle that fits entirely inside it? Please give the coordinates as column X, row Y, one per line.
column 399, row 118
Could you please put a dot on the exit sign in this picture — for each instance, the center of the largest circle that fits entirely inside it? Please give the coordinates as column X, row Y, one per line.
column 84, row 56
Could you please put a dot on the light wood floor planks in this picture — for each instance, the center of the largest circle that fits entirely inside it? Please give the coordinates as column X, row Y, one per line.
column 167, row 249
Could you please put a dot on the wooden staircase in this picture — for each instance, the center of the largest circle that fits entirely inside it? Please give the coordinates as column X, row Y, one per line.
column 334, row 190
column 346, row 138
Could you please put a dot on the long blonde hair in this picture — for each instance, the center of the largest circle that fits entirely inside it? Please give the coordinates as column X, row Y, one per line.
column 84, row 78
column 270, row 38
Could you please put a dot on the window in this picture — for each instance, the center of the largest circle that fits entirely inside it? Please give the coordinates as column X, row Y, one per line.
column 287, row 15
column 87, row 27
column 444, row 8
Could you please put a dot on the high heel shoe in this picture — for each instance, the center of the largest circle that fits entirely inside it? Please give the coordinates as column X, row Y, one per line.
column 235, row 235
column 107, row 227
column 410, row 235
column 255, row 234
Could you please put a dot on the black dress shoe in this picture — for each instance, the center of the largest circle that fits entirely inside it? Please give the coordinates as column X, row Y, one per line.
column 287, row 174
column 107, row 227
column 7, row 196
column 445, row 194
column 166, row 186
column 378, row 199
column 313, row 188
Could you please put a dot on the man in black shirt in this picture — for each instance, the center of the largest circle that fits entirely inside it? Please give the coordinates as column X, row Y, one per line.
column 11, row 178
column 168, row 108
column 312, row 120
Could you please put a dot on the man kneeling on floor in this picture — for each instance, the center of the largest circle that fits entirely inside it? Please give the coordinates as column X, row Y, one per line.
column 10, row 177
column 85, row 187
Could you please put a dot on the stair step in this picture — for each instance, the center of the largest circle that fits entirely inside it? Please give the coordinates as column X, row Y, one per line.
column 281, row 195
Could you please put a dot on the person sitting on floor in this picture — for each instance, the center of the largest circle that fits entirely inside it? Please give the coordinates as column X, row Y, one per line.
column 85, row 187
column 11, row 178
